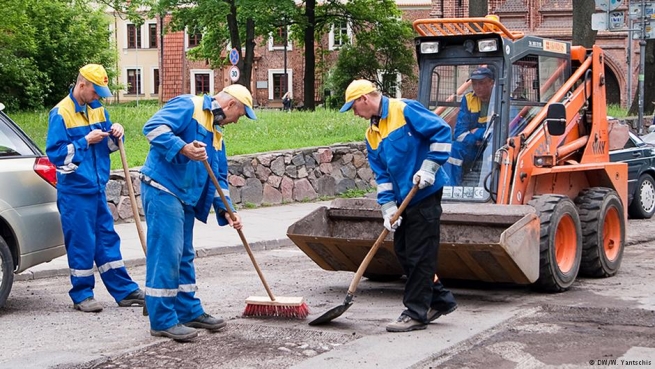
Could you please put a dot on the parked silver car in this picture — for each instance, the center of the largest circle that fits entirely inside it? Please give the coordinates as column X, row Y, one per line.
column 30, row 229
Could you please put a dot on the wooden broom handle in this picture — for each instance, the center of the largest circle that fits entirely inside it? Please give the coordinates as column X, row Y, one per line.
column 233, row 217
column 130, row 191
column 378, row 242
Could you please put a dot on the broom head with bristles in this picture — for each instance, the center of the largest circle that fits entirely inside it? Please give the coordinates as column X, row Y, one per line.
column 283, row 307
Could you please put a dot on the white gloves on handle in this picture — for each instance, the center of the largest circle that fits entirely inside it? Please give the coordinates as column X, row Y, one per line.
column 425, row 176
column 388, row 210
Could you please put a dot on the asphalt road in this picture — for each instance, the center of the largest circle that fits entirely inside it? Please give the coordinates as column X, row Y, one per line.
column 496, row 326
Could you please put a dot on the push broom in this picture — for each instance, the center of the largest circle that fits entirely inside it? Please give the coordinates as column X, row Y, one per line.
column 262, row 306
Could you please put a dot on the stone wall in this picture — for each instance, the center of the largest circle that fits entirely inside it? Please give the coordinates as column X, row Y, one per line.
column 272, row 178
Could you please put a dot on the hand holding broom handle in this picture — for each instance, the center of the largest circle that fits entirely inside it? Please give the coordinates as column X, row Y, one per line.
column 378, row 242
column 233, row 217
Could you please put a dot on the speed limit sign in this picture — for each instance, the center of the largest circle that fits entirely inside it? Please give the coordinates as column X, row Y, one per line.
column 234, row 73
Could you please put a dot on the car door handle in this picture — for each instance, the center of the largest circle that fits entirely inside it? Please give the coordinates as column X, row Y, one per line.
column 636, row 154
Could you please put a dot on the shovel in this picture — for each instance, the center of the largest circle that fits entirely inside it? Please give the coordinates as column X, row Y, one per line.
column 347, row 302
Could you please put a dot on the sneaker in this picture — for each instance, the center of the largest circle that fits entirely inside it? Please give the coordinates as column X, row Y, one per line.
column 405, row 324
column 207, row 321
column 89, row 305
column 434, row 314
column 177, row 332
column 135, row 298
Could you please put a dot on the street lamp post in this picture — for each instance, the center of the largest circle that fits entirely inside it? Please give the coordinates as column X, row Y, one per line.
column 286, row 75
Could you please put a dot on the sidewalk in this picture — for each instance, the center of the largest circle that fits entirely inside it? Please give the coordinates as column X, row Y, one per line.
column 263, row 228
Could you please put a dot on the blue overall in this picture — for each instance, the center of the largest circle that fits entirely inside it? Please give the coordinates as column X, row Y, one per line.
column 82, row 174
column 176, row 191
column 466, row 144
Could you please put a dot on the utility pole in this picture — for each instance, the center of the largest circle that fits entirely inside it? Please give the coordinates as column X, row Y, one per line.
column 286, row 74
column 642, row 65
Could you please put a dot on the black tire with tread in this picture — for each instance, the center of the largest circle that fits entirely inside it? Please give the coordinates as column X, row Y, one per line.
column 593, row 205
column 6, row 271
column 636, row 208
column 551, row 209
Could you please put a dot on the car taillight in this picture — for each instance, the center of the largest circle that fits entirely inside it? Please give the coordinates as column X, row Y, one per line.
column 46, row 170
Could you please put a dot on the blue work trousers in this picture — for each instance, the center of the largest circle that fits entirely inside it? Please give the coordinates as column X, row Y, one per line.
column 170, row 274
column 90, row 237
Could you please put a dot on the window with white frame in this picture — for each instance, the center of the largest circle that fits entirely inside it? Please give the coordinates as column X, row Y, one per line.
column 133, row 36
column 340, row 34
column 202, row 81
column 277, row 38
column 133, row 81
column 276, row 86
column 390, row 83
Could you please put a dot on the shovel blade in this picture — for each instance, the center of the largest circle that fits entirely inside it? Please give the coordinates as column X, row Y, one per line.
column 331, row 314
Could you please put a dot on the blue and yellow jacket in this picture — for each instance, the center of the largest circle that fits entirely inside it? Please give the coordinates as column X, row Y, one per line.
column 81, row 168
column 406, row 134
column 470, row 117
column 182, row 120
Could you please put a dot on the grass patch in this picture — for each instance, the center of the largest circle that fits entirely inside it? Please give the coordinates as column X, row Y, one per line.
column 616, row 111
column 274, row 130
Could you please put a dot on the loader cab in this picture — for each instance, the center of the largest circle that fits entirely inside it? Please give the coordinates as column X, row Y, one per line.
column 527, row 73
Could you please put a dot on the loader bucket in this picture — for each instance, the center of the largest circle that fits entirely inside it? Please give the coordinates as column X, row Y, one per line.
column 482, row 242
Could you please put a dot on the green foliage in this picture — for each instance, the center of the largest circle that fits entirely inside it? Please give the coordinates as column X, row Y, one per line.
column 43, row 43
column 616, row 111
column 381, row 50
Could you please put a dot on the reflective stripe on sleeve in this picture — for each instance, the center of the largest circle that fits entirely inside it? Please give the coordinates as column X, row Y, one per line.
column 382, row 187
column 456, row 162
column 441, row 147
column 158, row 132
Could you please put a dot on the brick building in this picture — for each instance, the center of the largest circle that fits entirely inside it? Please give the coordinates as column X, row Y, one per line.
column 546, row 18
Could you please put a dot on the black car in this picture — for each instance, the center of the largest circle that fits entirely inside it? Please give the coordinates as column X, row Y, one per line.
column 640, row 157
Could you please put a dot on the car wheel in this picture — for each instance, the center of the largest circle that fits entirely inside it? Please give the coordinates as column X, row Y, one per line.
column 643, row 204
column 6, row 271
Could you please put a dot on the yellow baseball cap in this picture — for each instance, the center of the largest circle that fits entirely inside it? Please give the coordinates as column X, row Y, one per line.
column 241, row 93
column 96, row 74
column 355, row 90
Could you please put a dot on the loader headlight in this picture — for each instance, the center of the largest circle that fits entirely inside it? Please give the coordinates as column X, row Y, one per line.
column 430, row 47
column 485, row 46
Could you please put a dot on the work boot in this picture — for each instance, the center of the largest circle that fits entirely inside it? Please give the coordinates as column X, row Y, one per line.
column 208, row 322
column 89, row 305
column 135, row 298
column 435, row 313
column 405, row 323
column 177, row 332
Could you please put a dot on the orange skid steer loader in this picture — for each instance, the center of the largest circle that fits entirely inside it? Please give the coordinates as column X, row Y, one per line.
column 540, row 202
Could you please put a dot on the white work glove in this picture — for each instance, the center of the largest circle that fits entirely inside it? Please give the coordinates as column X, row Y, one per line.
column 425, row 176
column 388, row 210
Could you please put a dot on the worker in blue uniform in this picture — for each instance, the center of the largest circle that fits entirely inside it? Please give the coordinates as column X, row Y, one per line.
column 407, row 144
column 176, row 190
column 471, row 125
column 80, row 139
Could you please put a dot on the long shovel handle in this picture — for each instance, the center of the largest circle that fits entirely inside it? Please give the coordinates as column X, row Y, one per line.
column 243, row 238
column 378, row 242
column 130, row 190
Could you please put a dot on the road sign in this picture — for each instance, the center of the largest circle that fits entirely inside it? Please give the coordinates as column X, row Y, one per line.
column 617, row 20
column 599, row 21
column 636, row 10
column 234, row 73
column 608, row 5
column 234, row 56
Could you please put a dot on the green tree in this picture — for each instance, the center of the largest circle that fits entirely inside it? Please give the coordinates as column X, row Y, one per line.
column 380, row 49
column 43, row 43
